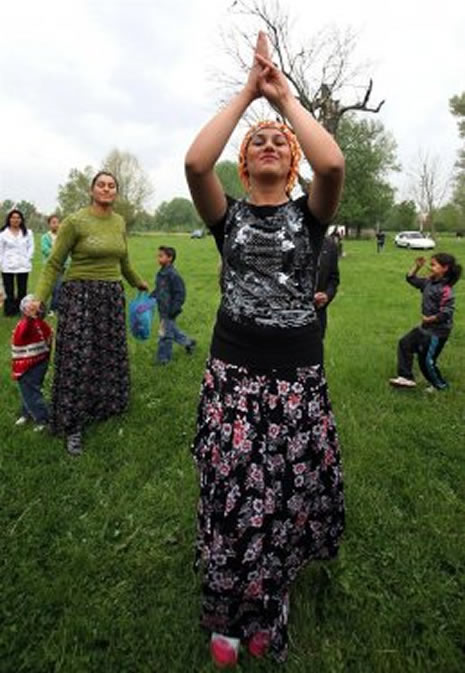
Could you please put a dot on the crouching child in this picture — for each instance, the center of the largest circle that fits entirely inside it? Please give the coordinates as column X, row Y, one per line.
column 429, row 338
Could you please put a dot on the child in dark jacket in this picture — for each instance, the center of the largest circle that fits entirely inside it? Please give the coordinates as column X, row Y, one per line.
column 430, row 337
column 170, row 293
column 30, row 350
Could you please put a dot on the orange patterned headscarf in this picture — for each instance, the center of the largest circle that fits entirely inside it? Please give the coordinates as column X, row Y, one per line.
column 290, row 136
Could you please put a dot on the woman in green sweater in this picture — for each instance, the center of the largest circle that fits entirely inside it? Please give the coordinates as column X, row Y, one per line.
column 91, row 378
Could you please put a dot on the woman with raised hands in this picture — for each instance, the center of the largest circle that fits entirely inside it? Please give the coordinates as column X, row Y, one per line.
column 266, row 447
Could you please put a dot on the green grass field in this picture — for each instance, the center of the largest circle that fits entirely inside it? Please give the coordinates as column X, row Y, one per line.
column 96, row 553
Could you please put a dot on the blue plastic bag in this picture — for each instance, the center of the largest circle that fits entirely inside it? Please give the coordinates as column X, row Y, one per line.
column 141, row 310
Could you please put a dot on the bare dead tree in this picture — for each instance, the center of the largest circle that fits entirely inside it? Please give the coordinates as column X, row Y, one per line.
column 320, row 70
column 430, row 182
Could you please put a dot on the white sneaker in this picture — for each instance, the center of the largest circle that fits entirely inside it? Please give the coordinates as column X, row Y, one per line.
column 402, row 382
column 39, row 427
column 22, row 420
column 74, row 444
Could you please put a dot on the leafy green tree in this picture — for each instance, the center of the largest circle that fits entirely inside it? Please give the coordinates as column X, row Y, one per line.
column 227, row 172
column 449, row 218
column 34, row 219
column 27, row 208
column 75, row 192
column 459, row 194
column 134, row 185
column 370, row 155
column 5, row 207
column 402, row 216
column 144, row 221
column 457, row 107
column 178, row 214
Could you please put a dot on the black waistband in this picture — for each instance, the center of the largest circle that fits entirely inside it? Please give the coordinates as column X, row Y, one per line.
column 266, row 348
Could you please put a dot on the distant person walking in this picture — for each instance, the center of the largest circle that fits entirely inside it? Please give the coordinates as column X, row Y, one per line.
column 380, row 240
column 91, row 377
column 327, row 280
column 16, row 251
column 428, row 339
column 337, row 237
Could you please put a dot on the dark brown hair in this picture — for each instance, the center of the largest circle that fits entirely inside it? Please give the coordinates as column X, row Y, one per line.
column 454, row 270
column 103, row 172
column 169, row 252
column 23, row 221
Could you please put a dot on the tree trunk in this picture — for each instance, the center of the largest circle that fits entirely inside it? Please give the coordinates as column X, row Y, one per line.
column 430, row 224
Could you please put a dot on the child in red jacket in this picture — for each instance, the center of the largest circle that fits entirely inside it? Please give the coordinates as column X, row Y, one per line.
column 30, row 350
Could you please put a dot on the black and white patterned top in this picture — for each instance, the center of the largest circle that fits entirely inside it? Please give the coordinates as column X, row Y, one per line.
column 270, row 258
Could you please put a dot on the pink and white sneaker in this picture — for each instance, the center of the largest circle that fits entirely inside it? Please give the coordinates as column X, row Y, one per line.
column 224, row 650
column 259, row 644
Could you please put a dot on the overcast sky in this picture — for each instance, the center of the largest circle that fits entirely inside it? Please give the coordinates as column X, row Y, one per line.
column 78, row 78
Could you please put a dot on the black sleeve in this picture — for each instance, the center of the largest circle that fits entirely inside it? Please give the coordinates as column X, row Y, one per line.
column 333, row 275
column 316, row 228
column 419, row 283
column 217, row 229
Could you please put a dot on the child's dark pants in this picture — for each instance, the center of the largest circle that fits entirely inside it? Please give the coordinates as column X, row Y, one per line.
column 428, row 347
column 30, row 385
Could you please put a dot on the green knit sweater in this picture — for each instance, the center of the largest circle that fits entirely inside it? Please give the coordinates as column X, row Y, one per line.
column 98, row 248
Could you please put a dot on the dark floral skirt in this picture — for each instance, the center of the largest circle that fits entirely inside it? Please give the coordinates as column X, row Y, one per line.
column 271, row 493
column 91, row 377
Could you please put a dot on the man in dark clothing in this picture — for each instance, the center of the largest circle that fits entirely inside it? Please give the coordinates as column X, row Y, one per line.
column 170, row 293
column 380, row 240
column 327, row 280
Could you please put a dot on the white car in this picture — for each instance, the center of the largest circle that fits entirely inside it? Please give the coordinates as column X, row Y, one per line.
column 415, row 240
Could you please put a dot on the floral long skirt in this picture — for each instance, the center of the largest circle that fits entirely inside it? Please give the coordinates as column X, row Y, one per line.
column 91, row 377
column 271, row 494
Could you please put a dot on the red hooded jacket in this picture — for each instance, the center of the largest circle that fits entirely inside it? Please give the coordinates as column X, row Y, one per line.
column 30, row 344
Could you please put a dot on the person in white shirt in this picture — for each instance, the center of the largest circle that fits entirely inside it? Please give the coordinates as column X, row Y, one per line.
column 16, row 251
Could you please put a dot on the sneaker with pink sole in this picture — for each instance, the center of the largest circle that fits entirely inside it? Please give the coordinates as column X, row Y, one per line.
column 224, row 650
column 259, row 644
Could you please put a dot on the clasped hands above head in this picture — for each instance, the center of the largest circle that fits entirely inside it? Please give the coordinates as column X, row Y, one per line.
column 265, row 78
